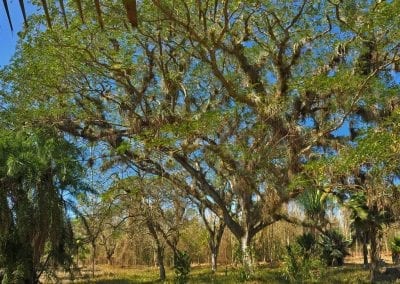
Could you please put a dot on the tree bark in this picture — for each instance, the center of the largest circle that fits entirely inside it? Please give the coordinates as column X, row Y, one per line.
column 245, row 242
column 375, row 255
column 215, row 233
column 93, row 257
column 214, row 257
column 159, row 248
column 109, row 259
column 365, row 250
column 160, row 261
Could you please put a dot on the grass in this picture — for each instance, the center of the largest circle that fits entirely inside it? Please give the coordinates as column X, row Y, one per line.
column 350, row 273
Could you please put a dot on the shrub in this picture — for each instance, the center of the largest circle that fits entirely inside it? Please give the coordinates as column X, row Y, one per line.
column 181, row 266
column 395, row 248
column 307, row 243
column 302, row 260
column 334, row 247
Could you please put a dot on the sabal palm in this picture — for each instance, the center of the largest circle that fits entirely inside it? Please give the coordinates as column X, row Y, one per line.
column 37, row 170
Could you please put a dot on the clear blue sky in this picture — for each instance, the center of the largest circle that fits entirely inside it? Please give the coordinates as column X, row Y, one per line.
column 9, row 39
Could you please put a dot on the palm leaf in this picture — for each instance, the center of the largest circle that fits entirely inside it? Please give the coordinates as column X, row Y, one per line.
column 80, row 10
column 8, row 14
column 22, row 6
column 63, row 13
column 46, row 12
column 131, row 12
column 98, row 11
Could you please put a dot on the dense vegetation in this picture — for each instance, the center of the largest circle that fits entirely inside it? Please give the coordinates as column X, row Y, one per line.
column 203, row 125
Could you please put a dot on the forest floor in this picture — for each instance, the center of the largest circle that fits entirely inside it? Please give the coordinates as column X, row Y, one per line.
column 349, row 273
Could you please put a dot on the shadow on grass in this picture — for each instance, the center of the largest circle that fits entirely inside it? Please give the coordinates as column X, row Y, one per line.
column 349, row 273
column 122, row 281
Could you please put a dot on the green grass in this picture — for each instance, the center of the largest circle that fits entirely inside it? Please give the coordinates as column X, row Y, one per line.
column 350, row 273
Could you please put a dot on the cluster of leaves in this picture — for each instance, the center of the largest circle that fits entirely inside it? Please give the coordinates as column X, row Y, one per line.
column 302, row 260
column 182, row 262
column 395, row 248
column 307, row 257
column 334, row 247
column 37, row 168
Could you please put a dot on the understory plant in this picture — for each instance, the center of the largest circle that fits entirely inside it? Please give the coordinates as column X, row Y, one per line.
column 334, row 247
column 395, row 248
column 302, row 260
column 182, row 262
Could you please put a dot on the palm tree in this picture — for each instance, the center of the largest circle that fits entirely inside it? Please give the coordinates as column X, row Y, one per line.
column 360, row 222
column 38, row 169
column 315, row 202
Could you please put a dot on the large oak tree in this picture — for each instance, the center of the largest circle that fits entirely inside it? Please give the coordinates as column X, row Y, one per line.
column 226, row 99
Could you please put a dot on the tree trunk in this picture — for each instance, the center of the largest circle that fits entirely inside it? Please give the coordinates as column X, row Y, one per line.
column 365, row 250
column 214, row 257
column 160, row 262
column 159, row 249
column 214, row 243
column 375, row 255
column 93, row 257
column 245, row 242
column 109, row 259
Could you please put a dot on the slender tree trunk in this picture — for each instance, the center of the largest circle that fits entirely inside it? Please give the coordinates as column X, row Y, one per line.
column 109, row 259
column 365, row 250
column 160, row 262
column 214, row 255
column 375, row 255
column 159, row 249
column 93, row 257
column 214, row 243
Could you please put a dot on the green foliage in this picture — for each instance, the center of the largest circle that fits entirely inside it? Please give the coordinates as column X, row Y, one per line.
column 307, row 243
column 238, row 91
column 245, row 271
column 395, row 244
column 182, row 263
column 395, row 248
column 35, row 233
column 334, row 247
column 302, row 261
column 243, row 274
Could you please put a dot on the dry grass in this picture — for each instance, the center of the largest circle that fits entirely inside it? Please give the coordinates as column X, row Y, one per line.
column 350, row 273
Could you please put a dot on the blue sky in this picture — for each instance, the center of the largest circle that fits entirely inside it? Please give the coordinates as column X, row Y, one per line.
column 9, row 39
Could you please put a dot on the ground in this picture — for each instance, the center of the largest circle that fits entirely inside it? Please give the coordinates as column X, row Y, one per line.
column 350, row 273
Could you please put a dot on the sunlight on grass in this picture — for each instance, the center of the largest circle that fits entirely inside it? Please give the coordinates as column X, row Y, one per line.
column 350, row 273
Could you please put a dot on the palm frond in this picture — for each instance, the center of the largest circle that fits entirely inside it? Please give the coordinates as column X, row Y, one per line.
column 22, row 6
column 46, row 12
column 8, row 14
